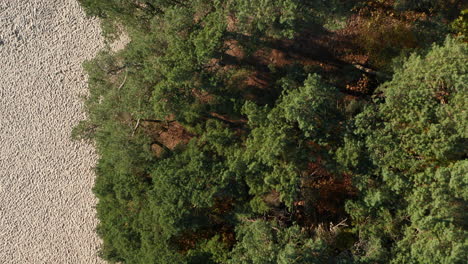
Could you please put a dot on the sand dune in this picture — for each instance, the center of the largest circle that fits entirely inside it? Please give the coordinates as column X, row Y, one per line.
column 46, row 203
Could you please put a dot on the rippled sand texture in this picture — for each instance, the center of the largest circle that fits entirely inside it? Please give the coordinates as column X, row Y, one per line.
column 46, row 203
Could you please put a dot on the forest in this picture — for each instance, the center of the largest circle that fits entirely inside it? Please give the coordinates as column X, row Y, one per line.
column 280, row 131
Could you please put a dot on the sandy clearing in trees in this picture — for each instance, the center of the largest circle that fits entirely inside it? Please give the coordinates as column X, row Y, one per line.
column 46, row 203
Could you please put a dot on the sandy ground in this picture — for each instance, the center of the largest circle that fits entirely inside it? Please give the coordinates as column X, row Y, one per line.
column 46, row 203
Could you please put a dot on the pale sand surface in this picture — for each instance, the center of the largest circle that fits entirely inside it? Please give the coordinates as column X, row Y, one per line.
column 46, row 203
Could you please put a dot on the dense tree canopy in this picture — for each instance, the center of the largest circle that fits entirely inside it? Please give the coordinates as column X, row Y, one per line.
column 290, row 131
column 416, row 140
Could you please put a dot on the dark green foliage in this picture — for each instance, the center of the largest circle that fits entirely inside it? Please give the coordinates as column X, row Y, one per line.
column 185, row 186
column 273, row 157
column 273, row 18
column 219, row 142
column 416, row 141
column 263, row 242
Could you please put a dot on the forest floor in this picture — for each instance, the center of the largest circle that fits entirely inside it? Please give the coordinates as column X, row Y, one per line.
column 333, row 54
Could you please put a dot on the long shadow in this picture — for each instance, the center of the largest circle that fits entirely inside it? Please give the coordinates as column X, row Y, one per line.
column 313, row 46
